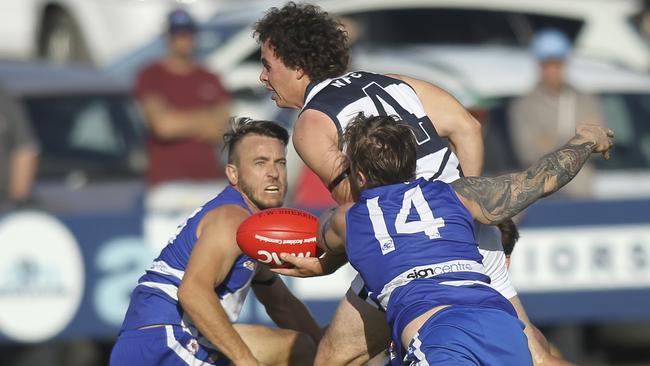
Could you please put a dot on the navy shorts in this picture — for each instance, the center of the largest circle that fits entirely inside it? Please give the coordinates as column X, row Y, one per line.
column 462, row 335
column 168, row 345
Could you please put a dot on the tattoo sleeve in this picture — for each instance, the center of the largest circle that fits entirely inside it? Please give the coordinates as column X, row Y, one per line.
column 502, row 197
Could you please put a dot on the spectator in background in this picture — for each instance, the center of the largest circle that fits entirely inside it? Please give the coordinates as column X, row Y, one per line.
column 541, row 120
column 18, row 154
column 186, row 110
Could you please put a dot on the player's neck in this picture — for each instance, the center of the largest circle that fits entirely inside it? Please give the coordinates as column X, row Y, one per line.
column 252, row 206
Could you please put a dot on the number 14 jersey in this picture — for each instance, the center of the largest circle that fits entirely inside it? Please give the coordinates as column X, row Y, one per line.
column 413, row 244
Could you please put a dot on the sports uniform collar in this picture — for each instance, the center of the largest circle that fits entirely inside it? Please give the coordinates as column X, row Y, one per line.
column 375, row 191
column 313, row 88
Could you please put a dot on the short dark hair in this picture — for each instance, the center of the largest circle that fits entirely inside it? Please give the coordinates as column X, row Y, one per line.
column 382, row 148
column 242, row 126
column 303, row 36
column 509, row 235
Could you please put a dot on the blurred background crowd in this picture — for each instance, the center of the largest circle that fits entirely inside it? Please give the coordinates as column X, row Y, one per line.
column 111, row 115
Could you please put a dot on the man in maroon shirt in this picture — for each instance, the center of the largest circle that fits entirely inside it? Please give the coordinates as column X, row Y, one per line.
column 186, row 109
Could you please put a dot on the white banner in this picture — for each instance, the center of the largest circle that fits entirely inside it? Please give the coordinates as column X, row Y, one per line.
column 585, row 258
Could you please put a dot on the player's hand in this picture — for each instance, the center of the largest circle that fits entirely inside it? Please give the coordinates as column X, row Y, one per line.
column 600, row 136
column 310, row 266
column 302, row 266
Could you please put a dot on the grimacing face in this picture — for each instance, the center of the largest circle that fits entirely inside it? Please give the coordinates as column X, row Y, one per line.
column 261, row 170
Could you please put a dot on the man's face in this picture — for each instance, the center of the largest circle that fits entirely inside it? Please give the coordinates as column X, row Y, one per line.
column 553, row 74
column 262, row 170
column 181, row 43
column 284, row 83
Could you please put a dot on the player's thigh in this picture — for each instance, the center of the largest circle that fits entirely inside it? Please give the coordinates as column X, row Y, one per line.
column 356, row 333
column 277, row 346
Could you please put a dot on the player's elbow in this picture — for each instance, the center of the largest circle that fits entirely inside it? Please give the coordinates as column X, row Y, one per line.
column 461, row 130
column 187, row 293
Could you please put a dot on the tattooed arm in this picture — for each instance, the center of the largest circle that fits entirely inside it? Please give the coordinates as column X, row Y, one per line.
column 492, row 200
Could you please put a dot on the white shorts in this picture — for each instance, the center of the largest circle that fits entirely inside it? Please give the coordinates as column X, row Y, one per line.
column 494, row 261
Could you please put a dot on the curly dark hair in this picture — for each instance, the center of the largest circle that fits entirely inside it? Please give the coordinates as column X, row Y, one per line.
column 304, row 36
column 381, row 147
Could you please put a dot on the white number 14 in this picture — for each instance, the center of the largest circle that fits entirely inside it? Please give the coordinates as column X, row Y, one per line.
column 428, row 224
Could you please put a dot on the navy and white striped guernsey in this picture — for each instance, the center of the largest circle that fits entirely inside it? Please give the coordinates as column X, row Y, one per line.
column 413, row 244
column 373, row 94
column 155, row 299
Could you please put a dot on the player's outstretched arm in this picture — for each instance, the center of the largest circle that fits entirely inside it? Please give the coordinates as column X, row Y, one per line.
column 212, row 258
column 286, row 310
column 451, row 120
column 492, row 200
column 331, row 238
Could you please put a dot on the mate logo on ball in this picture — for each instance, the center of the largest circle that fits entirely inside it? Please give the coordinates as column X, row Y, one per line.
column 266, row 234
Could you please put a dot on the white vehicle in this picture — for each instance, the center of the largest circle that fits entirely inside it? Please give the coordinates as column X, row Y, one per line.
column 598, row 28
column 94, row 32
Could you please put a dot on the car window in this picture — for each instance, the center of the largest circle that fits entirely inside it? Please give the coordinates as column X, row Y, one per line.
column 94, row 135
column 453, row 26
column 92, row 130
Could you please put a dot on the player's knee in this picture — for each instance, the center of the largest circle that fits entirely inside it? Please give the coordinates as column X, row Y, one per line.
column 303, row 350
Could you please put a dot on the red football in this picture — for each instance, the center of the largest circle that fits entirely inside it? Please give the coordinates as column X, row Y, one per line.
column 266, row 234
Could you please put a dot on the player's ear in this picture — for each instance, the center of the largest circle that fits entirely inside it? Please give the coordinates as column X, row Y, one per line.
column 361, row 179
column 232, row 173
column 300, row 73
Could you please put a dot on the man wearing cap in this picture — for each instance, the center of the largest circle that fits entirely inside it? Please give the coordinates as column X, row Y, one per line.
column 186, row 109
column 541, row 120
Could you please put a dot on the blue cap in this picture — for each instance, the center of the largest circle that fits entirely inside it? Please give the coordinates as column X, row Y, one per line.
column 550, row 44
column 180, row 20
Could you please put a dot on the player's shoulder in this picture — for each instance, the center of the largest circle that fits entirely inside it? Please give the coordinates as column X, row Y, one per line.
column 229, row 215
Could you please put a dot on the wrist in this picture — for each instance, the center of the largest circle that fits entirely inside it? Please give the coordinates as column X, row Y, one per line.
column 580, row 140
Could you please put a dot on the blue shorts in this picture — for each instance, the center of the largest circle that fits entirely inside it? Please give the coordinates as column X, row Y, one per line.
column 463, row 335
column 167, row 345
